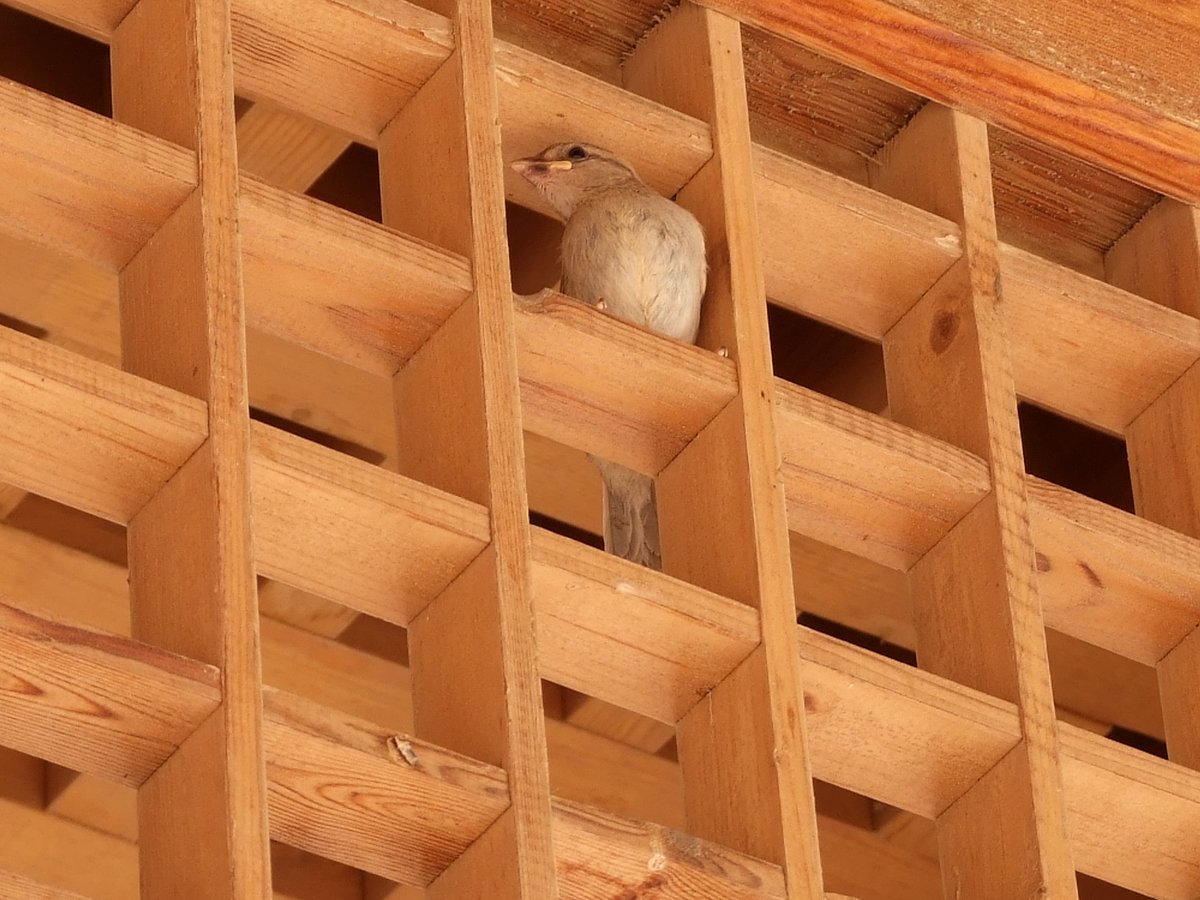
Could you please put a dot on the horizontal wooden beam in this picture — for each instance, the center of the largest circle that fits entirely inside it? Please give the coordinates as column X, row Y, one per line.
column 101, row 205
column 97, row 703
column 995, row 67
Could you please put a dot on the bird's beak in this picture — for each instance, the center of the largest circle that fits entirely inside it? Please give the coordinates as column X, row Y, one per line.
column 531, row 166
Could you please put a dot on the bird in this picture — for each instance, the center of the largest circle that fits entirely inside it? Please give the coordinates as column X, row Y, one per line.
column 639, row 256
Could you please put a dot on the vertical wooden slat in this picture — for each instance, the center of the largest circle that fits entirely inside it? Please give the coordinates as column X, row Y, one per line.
column 1160, row 258
column 475, row 676
column 976, row 607
column 202, row 816
column 742, row 747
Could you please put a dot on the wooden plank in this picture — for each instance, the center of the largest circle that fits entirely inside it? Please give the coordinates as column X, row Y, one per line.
column 975, row 595
column 1132, row 817
column 14, row 885
column 370, row 798
column 868, row 256
column 943, row 737
column 674, row 642
column 102, row 867
column 869, row 867
column 327, row 280
column 1110, row 578
column 938, row 57
column 603, row 855
column 96, row 19
column 284, row 148
column 639, row 416
column 867, row 485
column 1166, row 234
column 1109, row 353
column 101, row 205
column 96, row 703
column 354, row 533
column 87, row 435
column 311, row 57
column 743, row 746
column 543, row 102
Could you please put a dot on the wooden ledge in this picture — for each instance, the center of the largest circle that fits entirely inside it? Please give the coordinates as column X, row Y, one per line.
column 353, row 533
column 88, row 435
column 311, row 55
column 629, row 635
column 603, row 855
column 838, row 251
column 621, row 392
column 338, row 284
column 102, row 205
column 868, row 485
column 1111, row 578
column 94, row 702
column 365, row 796
column 1086, row 349
column 870, row 718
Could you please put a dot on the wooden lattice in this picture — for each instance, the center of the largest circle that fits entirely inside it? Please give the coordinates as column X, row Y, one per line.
column 177, row 275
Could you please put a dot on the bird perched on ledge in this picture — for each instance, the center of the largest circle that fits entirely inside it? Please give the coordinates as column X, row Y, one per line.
column 641, row 257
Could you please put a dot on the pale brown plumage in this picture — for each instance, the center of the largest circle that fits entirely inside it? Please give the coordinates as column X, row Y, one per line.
column 643, row 255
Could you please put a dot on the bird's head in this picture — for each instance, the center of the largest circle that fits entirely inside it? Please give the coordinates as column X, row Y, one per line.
column 566, row 174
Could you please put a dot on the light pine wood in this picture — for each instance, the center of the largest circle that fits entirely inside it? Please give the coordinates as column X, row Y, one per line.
column 633, row 858
column 310, row 57
column 868, row 256
column 594, row 608
column 977, row 589
column 743, row 747
column 485, row 699
column 97, row 703
column 15, row 885
column 1159, row 258
column 640, row 417
column 85, row 434
column 344, row 287
column 1109, row 354
column 190, row 553
column 373, row 799
column 867, row 485
column 284, row 148
column 101, row 205
column 354, row 533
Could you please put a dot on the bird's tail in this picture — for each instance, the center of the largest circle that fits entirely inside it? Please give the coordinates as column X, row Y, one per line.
column 630, row 515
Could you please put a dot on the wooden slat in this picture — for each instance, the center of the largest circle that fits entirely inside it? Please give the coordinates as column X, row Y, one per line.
column 867, row 257
column 1134, row 820
column 97, row 703
column 88, row 435
column 345, row 287
column 1110, row 578
column 943, row 737
column 867, row 485
column 1107, row 354
column 630, row 635
column 14, row 885
column 639, row 415
column 370, row 798
column 284, row 148
column 601, row 855
column 544, row 102
column 354, row 533
column 102, row 204
column 311, row 56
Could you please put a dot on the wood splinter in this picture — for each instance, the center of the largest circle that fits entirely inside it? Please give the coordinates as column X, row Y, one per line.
column 398, row 749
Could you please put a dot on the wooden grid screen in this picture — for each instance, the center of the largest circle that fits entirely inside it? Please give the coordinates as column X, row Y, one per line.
column 445, row 778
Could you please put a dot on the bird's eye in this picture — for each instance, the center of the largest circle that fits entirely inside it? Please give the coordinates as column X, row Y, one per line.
column 577, row 153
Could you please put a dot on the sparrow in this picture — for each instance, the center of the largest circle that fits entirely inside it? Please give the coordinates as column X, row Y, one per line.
column 639, row 256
